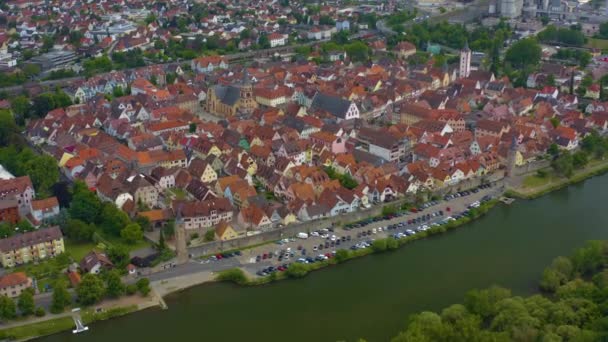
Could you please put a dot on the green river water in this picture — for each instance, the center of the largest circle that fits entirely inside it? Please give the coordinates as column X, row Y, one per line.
column 371, row 297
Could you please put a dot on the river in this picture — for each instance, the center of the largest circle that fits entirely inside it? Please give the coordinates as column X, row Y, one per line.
column 371, row 297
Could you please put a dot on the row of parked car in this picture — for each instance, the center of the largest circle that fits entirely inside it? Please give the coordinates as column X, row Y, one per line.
column 225, row 255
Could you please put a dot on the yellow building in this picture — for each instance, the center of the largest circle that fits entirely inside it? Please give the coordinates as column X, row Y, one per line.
column 224, row 231
column 32, row 246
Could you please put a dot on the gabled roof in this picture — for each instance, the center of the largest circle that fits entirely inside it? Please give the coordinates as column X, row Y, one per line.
column 334, row 105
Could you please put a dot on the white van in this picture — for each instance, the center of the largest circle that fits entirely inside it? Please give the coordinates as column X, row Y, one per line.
column 302, row 235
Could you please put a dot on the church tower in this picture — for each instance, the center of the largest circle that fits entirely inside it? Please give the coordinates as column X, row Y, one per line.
column 465, row 61
column 181, row 247
column 247, row 101
column 512, row 158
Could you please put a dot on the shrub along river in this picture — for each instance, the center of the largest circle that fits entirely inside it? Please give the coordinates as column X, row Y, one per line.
column 371, row 297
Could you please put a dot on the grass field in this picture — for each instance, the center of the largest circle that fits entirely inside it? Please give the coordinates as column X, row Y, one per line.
column 534, row 181
column 37, row 329
column 114, row 240
column 56, row 325
column 78, row 250
column 597, row 43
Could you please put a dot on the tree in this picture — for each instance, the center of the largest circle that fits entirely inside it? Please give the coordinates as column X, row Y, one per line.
column 117, row 91
column 604, row 29
column 150, row 18
column 342, row 255
column 48, row 42
column 512, row 314
column 132, row 233
column 119, row 255
column 61, row 297
column 8, row 128
column 131, row 289
column 20, row 106
column 551, row 80
column 210, row 235
column 577, row 288
column 192, row 127
column 143, row 286
column 114, row 286
column 523, row 53
column 144, row 223
column 31, row 70
column 550, row 280
column 579, row 159
column 554, row 122
column 544, row 20
column 461, row 324
column 85, row 205
column 171, row 77
column 379, row 245
column 388, row 210
column 589, row 259
column 90, row 290
column 113, row 220
column 169, row 228
column 43, row 172
column 6, row 230
column 358, row 51
column 563, row 164
column 8, row 309
column 245, row 34
column 79, row 230
column 485, row 302
column 26, row 302
column 296, row 270
column 425, row 326
column 263, row 41
column 553, row 149
column 162, row 245
column 42, row 104
column 392, row 244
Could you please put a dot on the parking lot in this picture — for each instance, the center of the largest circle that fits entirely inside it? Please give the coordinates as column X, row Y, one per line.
column 322, row 244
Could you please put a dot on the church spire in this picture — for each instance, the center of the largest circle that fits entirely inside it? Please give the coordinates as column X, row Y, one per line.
column 246, row 79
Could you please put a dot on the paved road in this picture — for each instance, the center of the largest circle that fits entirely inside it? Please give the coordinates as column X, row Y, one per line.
column 247, row 260
column 456, row 206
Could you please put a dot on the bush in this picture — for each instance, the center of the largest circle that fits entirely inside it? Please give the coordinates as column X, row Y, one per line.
column 143, row 286
column 389, row 210
column 379, row 245
column 392, row 244
column 342, row 255
column 541, row 173
column 40, row 312
column 235, row 275
column 297, row 270
column 210, row 235
column 131, row 289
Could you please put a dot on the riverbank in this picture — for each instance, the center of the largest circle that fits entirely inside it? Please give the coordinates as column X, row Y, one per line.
column 296, row 270
column 534, row 186
column 27, row 329
column 178, row 284
column 506, row 247
column 53, row 324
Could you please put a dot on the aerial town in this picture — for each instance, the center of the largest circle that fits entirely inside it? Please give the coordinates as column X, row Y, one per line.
column 139, row 137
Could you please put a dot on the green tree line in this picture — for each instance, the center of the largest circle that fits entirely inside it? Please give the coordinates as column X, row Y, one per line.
column 572, row 307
